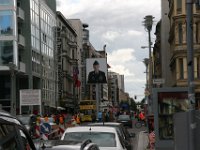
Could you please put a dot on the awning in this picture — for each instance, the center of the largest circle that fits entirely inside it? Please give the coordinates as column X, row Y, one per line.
column 60, row 108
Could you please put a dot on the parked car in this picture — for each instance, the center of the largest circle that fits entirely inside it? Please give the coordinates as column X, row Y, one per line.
column 107, row 138
column 121, row 129
column 13, row 134
column 125, row 120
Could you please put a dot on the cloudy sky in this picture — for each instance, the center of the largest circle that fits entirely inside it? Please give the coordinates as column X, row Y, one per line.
column 118, row 24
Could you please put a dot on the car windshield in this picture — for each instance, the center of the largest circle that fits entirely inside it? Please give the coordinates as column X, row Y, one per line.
column 124, row 117
column 102, row 139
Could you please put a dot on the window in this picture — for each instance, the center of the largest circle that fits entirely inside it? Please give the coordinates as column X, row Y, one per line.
column 197, row 32
column 6, row 52
column 179, row 6
column 198, row 67
column 44, row 37
column 6, row 2
column 181, row 68
column 170, row 103
column 180, row 33
column 6, row 22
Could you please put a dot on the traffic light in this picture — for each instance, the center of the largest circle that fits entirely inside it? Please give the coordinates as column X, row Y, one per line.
column 135, row 97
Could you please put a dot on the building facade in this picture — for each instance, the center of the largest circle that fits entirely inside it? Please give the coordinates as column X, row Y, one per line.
column 67, row 64
column 27, row 52
column 178, row 45
column 113, row 88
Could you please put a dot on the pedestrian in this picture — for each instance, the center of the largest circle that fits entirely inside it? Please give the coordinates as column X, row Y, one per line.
column 93, row 116
column 105, row 116
column 100, row 116
column 78, row 119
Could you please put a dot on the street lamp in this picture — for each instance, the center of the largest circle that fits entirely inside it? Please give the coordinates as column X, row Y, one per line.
column 148, row 22
column 146, row 63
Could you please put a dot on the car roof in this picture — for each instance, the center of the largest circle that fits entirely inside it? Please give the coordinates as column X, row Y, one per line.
column 69, row 145
column 106, row 123
column 91, row 128
column 5, row 116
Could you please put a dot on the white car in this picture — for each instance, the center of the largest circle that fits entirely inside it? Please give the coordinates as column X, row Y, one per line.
column 107, row 138
column 66, row 145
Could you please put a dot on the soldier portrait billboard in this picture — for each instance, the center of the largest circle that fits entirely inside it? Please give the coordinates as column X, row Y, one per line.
column 96, row 70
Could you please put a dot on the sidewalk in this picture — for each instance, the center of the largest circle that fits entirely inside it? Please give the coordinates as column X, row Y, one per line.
column 142, row 141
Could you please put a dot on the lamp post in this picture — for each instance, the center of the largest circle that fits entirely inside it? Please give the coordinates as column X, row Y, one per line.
column 146, row 63
column 148, row 22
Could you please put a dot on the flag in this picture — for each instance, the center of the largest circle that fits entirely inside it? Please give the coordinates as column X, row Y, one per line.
column 75, row 73
column 77, row 83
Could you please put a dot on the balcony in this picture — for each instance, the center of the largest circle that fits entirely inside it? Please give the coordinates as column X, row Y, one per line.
column 72, row 44
column 20, row 13
column 21, row 40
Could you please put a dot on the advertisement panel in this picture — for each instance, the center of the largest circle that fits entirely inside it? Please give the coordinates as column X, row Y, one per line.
column 30, row 97
column 96, row 70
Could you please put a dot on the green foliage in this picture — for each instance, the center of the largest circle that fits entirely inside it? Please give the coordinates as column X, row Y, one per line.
column 133, row 105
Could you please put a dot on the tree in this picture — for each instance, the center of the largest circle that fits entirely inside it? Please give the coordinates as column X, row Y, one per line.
column 133, row 105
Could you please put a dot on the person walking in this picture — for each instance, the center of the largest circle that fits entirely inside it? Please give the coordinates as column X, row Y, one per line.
column 100, row 116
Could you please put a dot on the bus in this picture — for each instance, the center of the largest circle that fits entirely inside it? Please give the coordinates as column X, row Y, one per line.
column 87, row 108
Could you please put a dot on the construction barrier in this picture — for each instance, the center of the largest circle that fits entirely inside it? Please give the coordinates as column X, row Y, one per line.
column 55, row 134
column 37, row 131
column 47, row 129
column 44, row 136
column 61, row 129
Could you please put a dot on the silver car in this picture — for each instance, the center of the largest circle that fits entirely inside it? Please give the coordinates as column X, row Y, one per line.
column 107, row 138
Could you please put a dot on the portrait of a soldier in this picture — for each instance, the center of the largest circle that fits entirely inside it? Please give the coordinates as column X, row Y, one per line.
column 96, row 76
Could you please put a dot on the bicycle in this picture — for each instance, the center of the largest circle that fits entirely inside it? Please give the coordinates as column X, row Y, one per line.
column 140, row 123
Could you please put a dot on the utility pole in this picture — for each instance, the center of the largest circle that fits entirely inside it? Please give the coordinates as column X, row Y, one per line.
column 190, row 61
column 148, row 22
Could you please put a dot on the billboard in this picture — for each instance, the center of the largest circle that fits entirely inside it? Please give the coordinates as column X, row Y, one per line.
column 96, row 69
column 30, row 97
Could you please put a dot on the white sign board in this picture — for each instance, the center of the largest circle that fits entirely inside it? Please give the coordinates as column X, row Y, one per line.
column 158, row 81
column 30, row 97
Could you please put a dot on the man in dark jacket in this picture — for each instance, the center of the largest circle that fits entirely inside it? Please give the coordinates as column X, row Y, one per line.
column 96, row 76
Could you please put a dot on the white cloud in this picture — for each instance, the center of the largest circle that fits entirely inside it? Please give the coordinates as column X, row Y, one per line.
column 121, row 56
column 110, row 35
column 134, row 33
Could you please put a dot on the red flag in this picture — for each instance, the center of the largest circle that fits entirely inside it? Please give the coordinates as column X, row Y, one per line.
column 77, row 83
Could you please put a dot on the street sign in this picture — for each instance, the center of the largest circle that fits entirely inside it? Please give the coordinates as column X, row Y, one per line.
column 158, row 81
column 45, row 128
column 30, row 97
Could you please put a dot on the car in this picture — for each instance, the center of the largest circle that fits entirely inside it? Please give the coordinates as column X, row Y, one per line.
column 13, row 134
column 105, row 137
column 125, row 120
column 121, row 129
column 67, row 145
